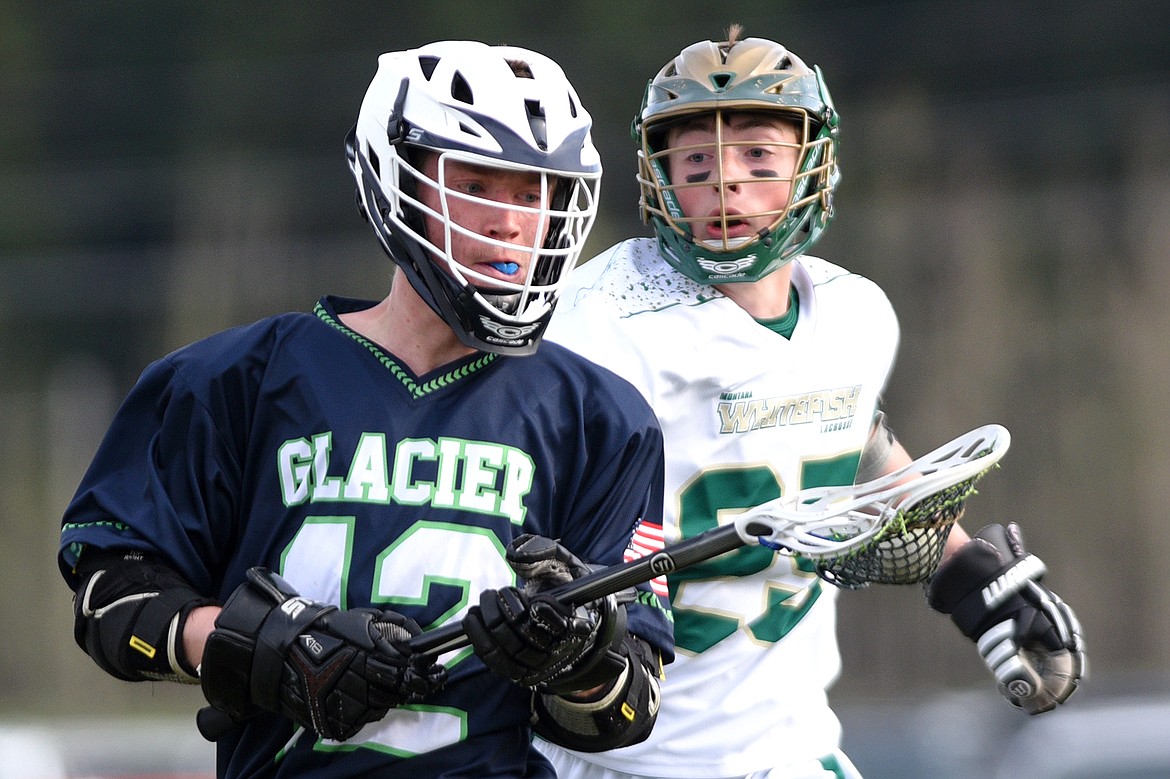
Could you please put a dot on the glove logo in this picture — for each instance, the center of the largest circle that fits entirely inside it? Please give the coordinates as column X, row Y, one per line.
column 1012, row 581
column 1020, row 688
column 293, row 607
column 312, row 645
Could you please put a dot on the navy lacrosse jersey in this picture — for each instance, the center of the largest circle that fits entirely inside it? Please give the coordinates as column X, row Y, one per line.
column 296, row 444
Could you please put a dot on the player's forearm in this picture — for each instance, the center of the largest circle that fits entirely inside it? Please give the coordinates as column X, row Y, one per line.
column 955, row 540
column 198, row 627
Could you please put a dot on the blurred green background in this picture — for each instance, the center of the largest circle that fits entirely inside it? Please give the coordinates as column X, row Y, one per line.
column 170, row 169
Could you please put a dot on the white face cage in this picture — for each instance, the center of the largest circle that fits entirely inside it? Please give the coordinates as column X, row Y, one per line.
column 565, row 212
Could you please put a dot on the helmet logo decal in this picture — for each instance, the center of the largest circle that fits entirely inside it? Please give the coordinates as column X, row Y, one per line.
column 726, row 267
column 507, row 331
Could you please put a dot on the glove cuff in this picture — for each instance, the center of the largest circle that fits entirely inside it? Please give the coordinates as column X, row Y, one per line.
column 980, row 582
column 244, row 655
column 623, row 715
column 603, row 662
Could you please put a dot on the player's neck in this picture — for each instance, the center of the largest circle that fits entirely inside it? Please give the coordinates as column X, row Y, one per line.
column 405, row 326
column 763, row 299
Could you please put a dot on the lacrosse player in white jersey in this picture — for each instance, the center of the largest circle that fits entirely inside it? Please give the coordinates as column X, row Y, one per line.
column 765, row 367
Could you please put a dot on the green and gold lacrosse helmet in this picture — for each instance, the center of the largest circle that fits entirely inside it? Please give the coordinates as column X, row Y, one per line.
column 754, row 75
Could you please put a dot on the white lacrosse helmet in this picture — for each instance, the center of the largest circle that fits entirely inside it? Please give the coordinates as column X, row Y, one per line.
column 469, row 102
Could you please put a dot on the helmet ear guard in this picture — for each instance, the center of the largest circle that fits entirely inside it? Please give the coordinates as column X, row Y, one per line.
column 714, row 80
column 473, row 104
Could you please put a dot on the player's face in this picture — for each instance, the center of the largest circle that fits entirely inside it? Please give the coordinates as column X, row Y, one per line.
column 483, row 201
column 735, row 180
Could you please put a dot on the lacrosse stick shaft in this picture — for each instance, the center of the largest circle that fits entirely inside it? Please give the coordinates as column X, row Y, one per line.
column 606, row 581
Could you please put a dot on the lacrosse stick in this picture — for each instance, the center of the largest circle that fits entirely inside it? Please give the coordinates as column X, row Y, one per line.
column 890, row 530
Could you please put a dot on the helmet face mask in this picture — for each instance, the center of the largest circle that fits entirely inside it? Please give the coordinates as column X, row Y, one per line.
column 714, row 87
column 467, row 109
column 538, row 248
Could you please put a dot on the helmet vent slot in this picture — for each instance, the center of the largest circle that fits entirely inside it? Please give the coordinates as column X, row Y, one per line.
column 461, row 90
column 721, row 81
column 536, row 121
column 520, row 69
column 428, row 65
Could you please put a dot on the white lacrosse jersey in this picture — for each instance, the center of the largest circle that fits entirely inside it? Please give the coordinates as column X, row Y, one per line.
column 747, row 415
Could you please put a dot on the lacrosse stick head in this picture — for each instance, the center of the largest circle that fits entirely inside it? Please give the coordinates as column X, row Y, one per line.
column 909, row 549
column 890, row 530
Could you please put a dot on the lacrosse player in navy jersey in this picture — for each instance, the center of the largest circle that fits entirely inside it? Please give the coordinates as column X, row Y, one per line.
column 277, row 509
column 765, row 367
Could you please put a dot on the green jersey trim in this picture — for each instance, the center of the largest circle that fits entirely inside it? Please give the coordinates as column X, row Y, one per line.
column 416, row 389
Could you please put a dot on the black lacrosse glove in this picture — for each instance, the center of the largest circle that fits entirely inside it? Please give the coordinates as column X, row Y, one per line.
column 329, row 670
column 537, row 641
column 1029, row 638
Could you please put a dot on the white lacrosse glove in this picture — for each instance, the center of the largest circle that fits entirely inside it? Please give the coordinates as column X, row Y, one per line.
column 1029, row 638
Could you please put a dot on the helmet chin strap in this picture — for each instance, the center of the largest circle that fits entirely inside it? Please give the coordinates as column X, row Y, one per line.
column 508, row 302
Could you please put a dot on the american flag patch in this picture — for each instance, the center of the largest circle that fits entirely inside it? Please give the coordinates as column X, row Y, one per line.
column 647, row 540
